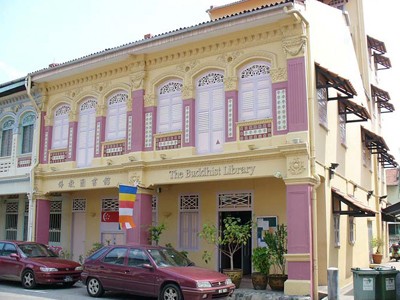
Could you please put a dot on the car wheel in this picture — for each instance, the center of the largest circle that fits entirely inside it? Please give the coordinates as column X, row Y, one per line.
column 28, row 279
column 171, row 292
column 94, row 287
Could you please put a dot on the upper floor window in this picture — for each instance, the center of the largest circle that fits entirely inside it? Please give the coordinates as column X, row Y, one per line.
column 116, row 116
column 255, row 93
column 6, row 137
column 342, row 129
column 28, row 127
column 86, row 132
column 322, row 107
column 169, row 117
column 60, row 127
column 210, row 113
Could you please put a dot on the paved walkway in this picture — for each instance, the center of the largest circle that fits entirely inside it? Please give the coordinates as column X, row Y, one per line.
column 247, row 292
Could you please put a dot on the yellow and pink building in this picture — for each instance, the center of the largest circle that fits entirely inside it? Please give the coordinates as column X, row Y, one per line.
column 259, row 113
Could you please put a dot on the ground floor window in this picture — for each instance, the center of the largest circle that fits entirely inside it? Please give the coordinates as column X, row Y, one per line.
column 189, row 222
column 352, row 231
column 11, row 220
column 55, row 221
column 336, row 228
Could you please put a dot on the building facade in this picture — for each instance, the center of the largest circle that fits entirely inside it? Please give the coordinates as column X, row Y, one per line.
column 18, row 156
column 260, row 115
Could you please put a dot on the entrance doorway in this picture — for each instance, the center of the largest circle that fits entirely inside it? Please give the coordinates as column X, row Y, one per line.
column 242, row 258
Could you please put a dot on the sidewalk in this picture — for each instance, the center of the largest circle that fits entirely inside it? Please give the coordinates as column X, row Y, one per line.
column 247, row 292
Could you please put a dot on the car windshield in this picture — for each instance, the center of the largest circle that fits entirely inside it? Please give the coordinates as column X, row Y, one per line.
column 36, row 250
column 167, row 257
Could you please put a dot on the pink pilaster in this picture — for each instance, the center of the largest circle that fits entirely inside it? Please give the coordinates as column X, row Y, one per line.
column 99, row 135
column 73, row 140
column 153, row 112
column 43, row 129
column 231, row 115
column 297, row 95
column 275, row 88
column 42, row 221
column 138, row 120
column 299, row 227
column 188, row 120
column 142, row 216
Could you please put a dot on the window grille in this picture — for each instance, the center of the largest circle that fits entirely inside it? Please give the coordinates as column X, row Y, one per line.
column 79, row 205
column 55, row 221
column 110, row 205
column 189, row 221
column 342, row 128
column 11, row 220
column 322, row 107
column 234, row 200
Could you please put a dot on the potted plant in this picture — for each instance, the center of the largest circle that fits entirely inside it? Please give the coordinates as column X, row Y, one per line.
column 276, row 249
column 261, row 263
column 155, row 232
column 377, row 256
column 233, row 235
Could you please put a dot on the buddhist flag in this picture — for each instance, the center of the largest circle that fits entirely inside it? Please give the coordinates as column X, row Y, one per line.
column 127, row 198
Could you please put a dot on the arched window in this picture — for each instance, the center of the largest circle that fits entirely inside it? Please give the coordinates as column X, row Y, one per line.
column 60, row 127
column 6, row 137
column 255, row 95
column 86, row 132
column 169, row 116
column 210, row 113
column 28, row 127
column 116, row 116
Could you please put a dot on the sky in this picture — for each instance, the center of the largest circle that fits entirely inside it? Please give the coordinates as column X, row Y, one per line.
column 36, row 33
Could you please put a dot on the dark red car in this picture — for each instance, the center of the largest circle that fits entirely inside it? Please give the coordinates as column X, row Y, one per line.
column 153, row 271
column 34, row 263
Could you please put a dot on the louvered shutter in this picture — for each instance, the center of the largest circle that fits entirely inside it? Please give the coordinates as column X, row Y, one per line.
column 217, row 120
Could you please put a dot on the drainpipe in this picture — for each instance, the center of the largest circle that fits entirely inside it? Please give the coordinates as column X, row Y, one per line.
column 35, row 158
column 311, row 96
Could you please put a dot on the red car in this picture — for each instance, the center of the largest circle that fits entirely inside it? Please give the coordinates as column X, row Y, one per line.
column 152, row 271
column 34, row 263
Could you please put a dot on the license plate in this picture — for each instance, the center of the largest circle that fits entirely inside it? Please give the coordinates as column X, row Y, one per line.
column 68, row 279
column 222, row 291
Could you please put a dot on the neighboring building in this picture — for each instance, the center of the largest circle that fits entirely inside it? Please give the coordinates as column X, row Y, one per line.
column 392, row 211
column 18, row 155
column 260, row 114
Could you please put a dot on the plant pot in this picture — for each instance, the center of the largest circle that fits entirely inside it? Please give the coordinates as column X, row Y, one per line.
column 259, row 280
column 377, row 258
column 277, row 281
column 236, row 275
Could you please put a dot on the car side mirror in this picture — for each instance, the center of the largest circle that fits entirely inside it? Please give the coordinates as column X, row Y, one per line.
column 15, row 255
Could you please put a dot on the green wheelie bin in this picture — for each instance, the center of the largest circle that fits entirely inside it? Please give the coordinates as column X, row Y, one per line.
column 386, row 283
column 364, row 283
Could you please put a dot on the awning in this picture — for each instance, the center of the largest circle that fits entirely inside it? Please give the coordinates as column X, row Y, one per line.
column 387, row 160
column 376, row 45
column 355, row 208
column 327, row 79
column 391, row 212
column 382, row 99
column 383, row 61
column 375, row 143
column 348, row 107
